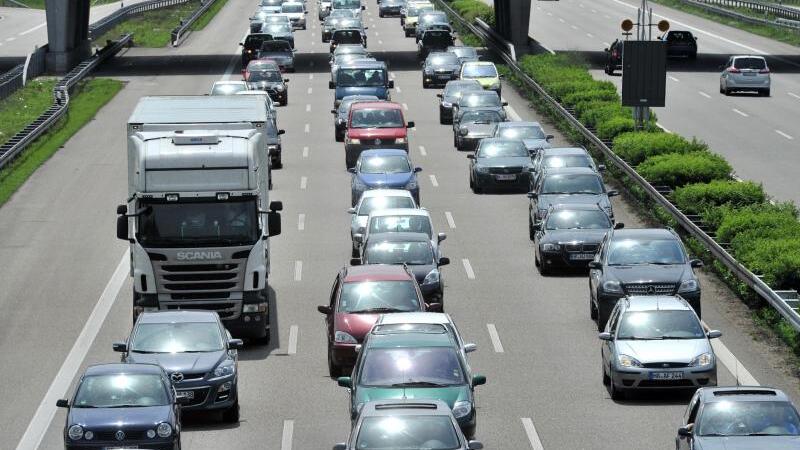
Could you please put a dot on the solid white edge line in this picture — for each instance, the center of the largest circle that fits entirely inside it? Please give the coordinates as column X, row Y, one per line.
column 495, row 338
column 674, row 79
column 662, row 128
column 293, row 331
column 301, row 222
column 533, row 436
column 450, row 221
column 31, row 30
column 434, row 182
column 72, row 363
column 298, row 270
column 287, row 435
column 468, row 268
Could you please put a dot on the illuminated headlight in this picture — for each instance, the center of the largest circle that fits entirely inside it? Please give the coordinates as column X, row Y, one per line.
column 481, row 169
column 689, row 286
column 344, row 338
column 628, row 361
column 703, row 360
column 462, row 409
column 353, row 141
column 612, row 286
column 254, row 308
column 431, row 277
column 75, row 432
column 164, row 430
column 551, row 247
column 279, row 88
column 400, row 141
column 151, row 434
column 225, row 369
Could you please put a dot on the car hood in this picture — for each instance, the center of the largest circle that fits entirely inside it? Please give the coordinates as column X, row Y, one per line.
column 356, row 325
column 98, row 419
column 449, row 395
column 385, row 179
column 535, row 144
column 378, row 91
column 669, row 350
column 586, row 236
column 445, row 67
column 746, row 442
column 546, row 200
column 376, row 133
column 180, row 362
column 479, row 129
column 647, row 273
column 507, row 161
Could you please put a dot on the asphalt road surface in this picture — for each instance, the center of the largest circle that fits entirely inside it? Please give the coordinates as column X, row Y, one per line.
column 65, row 291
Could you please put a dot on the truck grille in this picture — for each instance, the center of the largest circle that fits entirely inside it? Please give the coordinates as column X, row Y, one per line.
column 200, row 277
column 650, row 289
column 226, row 310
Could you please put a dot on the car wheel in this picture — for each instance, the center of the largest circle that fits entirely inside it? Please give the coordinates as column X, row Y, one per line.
column 285, row 100
column 380, row 14
column 606, row 378
column 697, row 309
column 764, row 93
column 333, row 370
column 231, row 415
column 531, row 232
column 338, row 136
column 277, row 163
column 441, row 119
column 477, row 188
column 616, row 393
column 425, row 85
column 592, row 309
column 602, row 317
column 263, row 340
column 543, row 270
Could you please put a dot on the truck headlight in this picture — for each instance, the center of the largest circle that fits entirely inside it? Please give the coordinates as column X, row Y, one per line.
column 612, row 287
column 227, row 368
column 689, row 286
column 75, row 432
column 462, row 409
column 431, row 277
column 164, row 430
column 254, row 308
column 344, row 338
column 702, row 360
column 628, row 361
column 551, row 247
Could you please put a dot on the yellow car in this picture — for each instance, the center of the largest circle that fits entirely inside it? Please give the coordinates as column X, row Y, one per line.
column 484, row 72
column 412, row 16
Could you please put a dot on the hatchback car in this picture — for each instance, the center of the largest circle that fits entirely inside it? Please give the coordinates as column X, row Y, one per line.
column 409, row 321
column 464, row 53
column 407, row 424
column 569, row 236
column 342, row 36
column 452, row 93
column 390, row 8
column 739, row 417
column 483, row 71
column 279, row 51
column 421, row 363
column 359, row 295
column 268, row 79
column 194, row 349
column 435, row 39
column 560, row 158
column 745, row 73
column 296, row 12
column 569, row 185
column 499, row 164
column 680, row 43
column 123, row 405
column 375, row 125
column 656, row 342
column 473, row 126
column 343, row 111
column 376, row 200
column 383, row 169
column 439, row 68
column 531, row 134
column 399, row 221
column 640, row 262
column 280, row 32
column 478, row 99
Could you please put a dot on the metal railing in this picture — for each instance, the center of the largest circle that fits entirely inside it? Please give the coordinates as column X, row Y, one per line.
column 764, row 8
column 715, row 6
column 181, row 31
column 784, row 301
column 11, row 81
column 106, row 23
column 21, row 140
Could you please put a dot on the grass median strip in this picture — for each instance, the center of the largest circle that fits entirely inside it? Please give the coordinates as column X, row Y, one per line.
column 39, row 4
column 86, row 100
column 23, row 106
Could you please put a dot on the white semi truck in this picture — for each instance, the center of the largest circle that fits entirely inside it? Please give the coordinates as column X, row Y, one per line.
column 198, row 215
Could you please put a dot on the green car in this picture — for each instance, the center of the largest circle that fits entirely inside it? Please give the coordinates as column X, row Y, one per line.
column 419, row 362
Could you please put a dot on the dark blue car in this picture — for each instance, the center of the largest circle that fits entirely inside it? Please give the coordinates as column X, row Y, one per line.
column 362, row 77
column 383, row 169
column 123, row 406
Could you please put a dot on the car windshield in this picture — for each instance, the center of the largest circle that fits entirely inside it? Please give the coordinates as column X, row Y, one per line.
column 410, row 367
column 413, row 224
column 484, row 117
column 464, row 52
column 289, row 8
column 227, row 88
column 370, row 204
column 361, row 77
column 376, row 118
column 749, row 418
column 572, row 184
column 379, row 296
column 178, row 337
column 667, row 324
column 276, row 46
column 456, row 90
column 567, row 161
column 502, row 149
column 627, row 252
column 385, row 164
column 121, row 391
column 402, row 432
column 442, row 59
column 411, row 253
column 577, row 219
column 750, row 63
column 479, row 71
column 473, row 100
column 526, row 132
column 265, row 75
column 277, row 28
column 197, row 224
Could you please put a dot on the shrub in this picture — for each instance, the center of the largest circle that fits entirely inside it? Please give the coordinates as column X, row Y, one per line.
column 560, row 89
column 616, row 125
column 759, row 220
column 594, row 113
column 675, row 169
column 470, row 9
column 596, row 94
column 636, row 147
column 696, row 198
column 776, row 260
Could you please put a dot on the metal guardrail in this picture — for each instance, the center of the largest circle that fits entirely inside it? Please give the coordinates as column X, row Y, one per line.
column 21, row 140
column 711, row 6
column 784, row 301
column 766, row 8
column 11, row 81
column 180, row 32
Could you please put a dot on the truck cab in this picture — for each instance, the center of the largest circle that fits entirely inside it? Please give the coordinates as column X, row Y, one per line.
column 362, row 78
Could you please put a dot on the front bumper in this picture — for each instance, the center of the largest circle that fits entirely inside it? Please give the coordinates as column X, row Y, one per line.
column 439, row 78
column 344, row 354
column 154, row 444
column 644, row 378
column 209, row 394
column 567, row 260
column 488, row 180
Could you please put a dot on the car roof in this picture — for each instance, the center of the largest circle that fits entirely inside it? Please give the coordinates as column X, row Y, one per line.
column 399, row 236
column 386, row 193
column 359, row 97
column 400, row 407
column 462, row 82
column 558, row 151
column 178, row 316
column 478, row 63
column 742, row 394
column 401, row 212
column 413, row 339
column 414, row 317
column 646, row 233
column 479, row 92
column 555, row 171
column 514, row 124
column 748, row 56
column 656, row 303
column 383, row 152
column 123, row 368
column 376, row 272
column 376, row 105
column 496, row 140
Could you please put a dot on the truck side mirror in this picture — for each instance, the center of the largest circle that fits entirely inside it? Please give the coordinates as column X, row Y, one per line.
column 122, row 209
column 273, row 223
column 276, row 206
column 122, row 227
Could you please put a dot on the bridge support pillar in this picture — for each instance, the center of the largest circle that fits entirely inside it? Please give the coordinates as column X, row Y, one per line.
column 511, row 21
column 67, row 34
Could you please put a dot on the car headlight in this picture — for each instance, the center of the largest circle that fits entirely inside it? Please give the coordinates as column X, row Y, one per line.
column 88, row 435
column 689, row 286
column 353, row 141
column 225, row 369
column 400, row 141
column 462, row 409
column 164, row 430
column 612, row 287
column 75, row 432
column 628, row 361
column 431, row 277
column 344, row 338
column 551, row 247
column 279, row 88
column 702, row 360
column 495, row 86
column 482, row 169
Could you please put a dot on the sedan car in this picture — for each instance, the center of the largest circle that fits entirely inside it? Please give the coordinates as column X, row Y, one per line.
column 474, row 126
column 423, row 320
column 656, row 342
column 407, row 424
column 412, row 250
column 483, row 71
column 452, row 93
column 740, row 417
column 123, row 405
column 531, row 134
column 571, row 185
column 376, row 200
column 428, row 18
column 478, row 99
column 569, row 236
column 390, row 8
column 268, row 79
column 383, row 169
column 499, row 164
column 194, row 349
column 343, row 111
column 745, row 73
column 332, row 21
column 279, row 51
column 228, row 87
column 640, row 262
column 401, row 220
column 279, row 31
column 560, row 158
column 358, row 297
column 434, row 39
column 464, row 53
column 439, row 68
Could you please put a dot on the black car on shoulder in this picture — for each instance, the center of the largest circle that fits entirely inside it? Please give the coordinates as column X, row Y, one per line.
column 123, row 406
column 681, row 44
column 251, row 45
column 613, row 57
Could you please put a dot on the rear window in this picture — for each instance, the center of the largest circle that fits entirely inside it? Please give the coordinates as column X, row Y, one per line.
column 347, row 36
column 479, row 71
column 291, row 8
column 276, row 46
column 749, row 63
column 360, row 77
column 473, row 101
column 443, row 59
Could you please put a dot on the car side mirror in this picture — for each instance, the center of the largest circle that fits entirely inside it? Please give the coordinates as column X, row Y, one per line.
column 305, row 12
column 619, row 226
column 355, row 261
column 533, row 195
column 463, row 131
column 601, row 167
column 440, row 237
column 325, row 309
column 363, row 7
column 714, row 334
column 605, row 336
column 696, row 263
column 62, row 403
column 276, row 206
column 440, row 95
column 470, row 347
column 595, row 265
column 612, row 193
column 120, row 347
column 504, row 103
column 345, row 382
column 390, row 84
column 351, row 169
column 478, row 380
column 281, row 132
column 684, row 431
column 605, row 49
column 286, row 80
column 241, row 44
column 549, row 137
column 333, row 111
column 417, row 169
column 433, row 307
column 235, row 344
column 351, row 210
column 532, row 169
column 331, row 85
column 444, row 261
column 475, row 445
column 470, row 156
column 410, row 124
column 340, row 446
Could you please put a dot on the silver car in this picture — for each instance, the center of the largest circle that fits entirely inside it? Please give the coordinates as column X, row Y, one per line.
column 656, row 342
column 401, row 220
column 745, row 73
column 375, row 200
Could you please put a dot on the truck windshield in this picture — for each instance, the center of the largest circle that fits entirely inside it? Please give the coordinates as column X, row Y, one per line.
column 202, row 223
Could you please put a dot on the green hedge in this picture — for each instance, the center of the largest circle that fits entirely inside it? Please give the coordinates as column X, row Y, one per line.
column 589, row 95
column 636, row 147
column 697, row 198
column 470, row 9
column 676, row 169
column 760, row 221
column 614, row 126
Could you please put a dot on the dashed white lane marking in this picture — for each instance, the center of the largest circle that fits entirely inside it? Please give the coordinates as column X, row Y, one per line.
column 741, row 113
column 301, row 222
column 450, row 221
column 434, row 181
column 606, row 16
column 58, row 388
column 303, row 182
column 674, row 79
column 310, row 90
column 305, row 152
column 574, row 27
column 308, row 107
column 31, row 30
column 298, row 270
column 311, row 76
column 287, row 436
column 495, row 337
column 734, row 366
column 784, row 134
column 11, row 39
column 376, row 33
column 703, row 94
column 397, row 88
column 589, row 35
column 380, row 42
column 391, row 74
column 533, row 436
column 594, row 11
column 307, row 128
column 422, row 151
column 561, row 20
column 792, row 94
column 293, row 331
column 468, row 269
column 405, row 106
column 549, row 13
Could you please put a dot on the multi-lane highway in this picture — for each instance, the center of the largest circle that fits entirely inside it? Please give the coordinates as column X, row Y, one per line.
column 66, row 293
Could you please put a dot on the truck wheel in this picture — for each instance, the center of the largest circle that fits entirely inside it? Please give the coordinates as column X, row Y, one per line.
column 231, row 415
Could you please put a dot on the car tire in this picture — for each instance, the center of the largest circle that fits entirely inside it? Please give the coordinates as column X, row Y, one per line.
column 442, row 121
column 543, row 270
column 334, row 371
column 616, row 393
column 477, row 188
column 380, row 14
column 531, row 232
column 469, row 433
column 425, row 85
column 602, row 317
column 278, row 163
column 592, row 309
column 606, row 378
column 698, row 309
column 338, row 137
column 693, row 56
column 231, row 415
column 764, row 93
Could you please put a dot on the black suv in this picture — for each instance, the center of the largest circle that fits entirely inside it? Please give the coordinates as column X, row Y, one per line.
column 613, row 57
column 640, row 262
column 251, row 46
column 680, row 44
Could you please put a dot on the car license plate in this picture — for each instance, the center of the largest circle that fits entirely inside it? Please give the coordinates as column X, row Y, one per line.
column 666, row 375
column 186, row 394
column 581, row 256
column 505, row 177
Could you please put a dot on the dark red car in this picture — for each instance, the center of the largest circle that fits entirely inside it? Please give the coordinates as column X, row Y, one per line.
column 359, row 295
column 374, row 125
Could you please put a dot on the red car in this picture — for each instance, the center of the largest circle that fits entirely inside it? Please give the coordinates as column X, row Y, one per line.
column 359, row 296
column 374, row 125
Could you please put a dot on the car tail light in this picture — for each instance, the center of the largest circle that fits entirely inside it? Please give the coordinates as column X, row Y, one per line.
column 733, row 70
